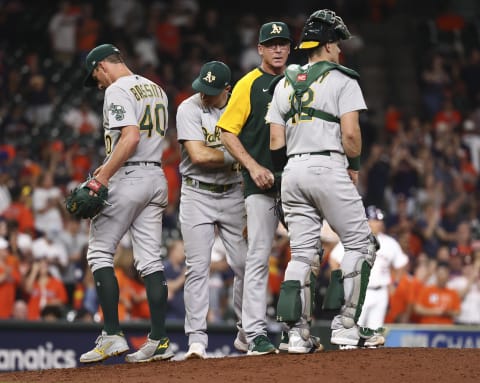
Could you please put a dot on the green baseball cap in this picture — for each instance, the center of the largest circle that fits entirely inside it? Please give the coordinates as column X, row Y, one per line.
column 96, row 55
column 213, row 78
column 274, row 30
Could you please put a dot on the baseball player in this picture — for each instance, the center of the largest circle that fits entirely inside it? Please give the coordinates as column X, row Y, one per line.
column 246, row 135
column 390, row 259
column 315, row 131
column 211, row 196
column 135, row 119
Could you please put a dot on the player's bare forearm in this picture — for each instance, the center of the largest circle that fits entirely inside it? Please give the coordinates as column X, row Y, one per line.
column 204, row 156
column 262, row 176
column 236, row 149
column 277, row 136
column 351, row 134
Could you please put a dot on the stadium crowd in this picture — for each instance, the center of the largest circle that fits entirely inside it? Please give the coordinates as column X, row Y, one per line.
column 421, row 169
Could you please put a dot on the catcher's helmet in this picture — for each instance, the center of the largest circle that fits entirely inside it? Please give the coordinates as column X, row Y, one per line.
column 322, row 27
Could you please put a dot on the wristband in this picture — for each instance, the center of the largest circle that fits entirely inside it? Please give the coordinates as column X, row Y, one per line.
column 354, row 163
column 228, row 159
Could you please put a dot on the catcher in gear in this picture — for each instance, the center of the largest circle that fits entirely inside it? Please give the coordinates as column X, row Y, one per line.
column 135, row 120
column 314, row 128
column 87, row 199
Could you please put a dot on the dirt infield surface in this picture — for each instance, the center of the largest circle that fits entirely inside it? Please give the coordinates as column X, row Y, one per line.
column 406, row 365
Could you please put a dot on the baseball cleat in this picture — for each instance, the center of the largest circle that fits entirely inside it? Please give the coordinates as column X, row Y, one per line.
column 356, row 337
column 106, row 346
column 283, row 345
column 241, row 343
column 261, row 345
column 150, row 351
column 196, row 351
column 301, row 342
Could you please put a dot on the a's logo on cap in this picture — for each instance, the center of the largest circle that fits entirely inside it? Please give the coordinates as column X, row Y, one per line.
column 210, row 77
column 276, row 29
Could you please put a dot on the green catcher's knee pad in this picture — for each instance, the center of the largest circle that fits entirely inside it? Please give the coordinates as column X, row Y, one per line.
column 289, row 306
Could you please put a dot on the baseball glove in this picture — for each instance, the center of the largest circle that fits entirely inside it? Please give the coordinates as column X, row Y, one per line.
column 82, row 203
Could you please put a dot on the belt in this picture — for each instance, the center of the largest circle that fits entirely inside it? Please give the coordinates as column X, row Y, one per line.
column 144, row 163
column 215, row 188
column 322, row 153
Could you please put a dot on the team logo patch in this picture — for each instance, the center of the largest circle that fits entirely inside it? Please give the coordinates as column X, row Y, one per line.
column 210, row 77
column 118, row 111
column 276, row 29
column 301, row 77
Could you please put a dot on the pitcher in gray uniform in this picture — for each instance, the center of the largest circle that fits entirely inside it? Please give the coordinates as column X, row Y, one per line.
column 314, row 125
column 134, row 118
column 211, row 196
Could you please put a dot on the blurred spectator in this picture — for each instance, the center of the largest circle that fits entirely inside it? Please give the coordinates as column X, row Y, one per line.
column 5, row 196
column 43, row 289
column 469, row 74
column 52, row 313
column 19, row 211
column 88, row 31
column 62, row 29
column 435, row 79
column 448, row 116
column 46, row 204
column 40, row 101
column 175, row 270
column 467, row 286
column 425, row 227
column 83, row 121
column 54, row 253
column 85, row 294
column 376, row 172
column 402, row 296
column 15, row 127
column 74, row 238
column 9, row 280
column 20, row 310
column 79, row 163
column 437, row 304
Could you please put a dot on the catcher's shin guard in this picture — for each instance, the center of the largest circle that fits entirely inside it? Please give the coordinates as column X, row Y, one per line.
column 334, row 297
column 289, row 306
column 355, row 296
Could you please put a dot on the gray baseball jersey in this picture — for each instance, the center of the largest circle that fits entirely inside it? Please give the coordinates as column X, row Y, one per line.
column 204, row 208
column 196, row 122
column 138, row 191
column 334, row 93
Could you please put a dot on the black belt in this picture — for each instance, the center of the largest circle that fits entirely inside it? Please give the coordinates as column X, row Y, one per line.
column 144, row 163
column 322, row 153
column 215, row 188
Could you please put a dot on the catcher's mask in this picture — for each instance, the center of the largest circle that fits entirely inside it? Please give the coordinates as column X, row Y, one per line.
column 322, row 27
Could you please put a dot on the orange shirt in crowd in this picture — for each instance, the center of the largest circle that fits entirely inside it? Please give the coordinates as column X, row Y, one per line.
column 9, row 286
column 53, row 292
column 400, row 300
column 437, row 297
column 19, row 212
column 140, row 310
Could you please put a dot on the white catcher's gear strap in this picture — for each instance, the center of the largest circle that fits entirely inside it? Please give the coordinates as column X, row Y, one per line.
column 355, row 292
